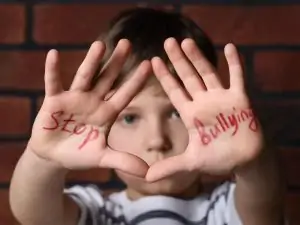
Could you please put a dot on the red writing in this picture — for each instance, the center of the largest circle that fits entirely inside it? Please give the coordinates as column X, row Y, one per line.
column 70, row 125
column 225, row 123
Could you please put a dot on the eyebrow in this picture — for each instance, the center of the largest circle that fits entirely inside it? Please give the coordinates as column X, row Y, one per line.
column 131, row 108
column 134, row 108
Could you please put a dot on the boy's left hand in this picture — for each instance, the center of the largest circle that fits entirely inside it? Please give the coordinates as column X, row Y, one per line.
column 223, row 132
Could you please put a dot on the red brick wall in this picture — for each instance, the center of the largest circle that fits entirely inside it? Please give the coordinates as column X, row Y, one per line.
column 267, row 36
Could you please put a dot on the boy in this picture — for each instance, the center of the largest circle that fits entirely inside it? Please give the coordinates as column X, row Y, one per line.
column 158, row 132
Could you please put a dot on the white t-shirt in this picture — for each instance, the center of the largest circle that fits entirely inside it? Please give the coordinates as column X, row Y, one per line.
column 116, row 209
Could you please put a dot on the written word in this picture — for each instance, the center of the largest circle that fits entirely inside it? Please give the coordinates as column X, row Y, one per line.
column 78, row 128
column 226, row 123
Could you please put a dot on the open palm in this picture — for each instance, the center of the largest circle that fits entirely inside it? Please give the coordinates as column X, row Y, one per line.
column 223, row 132
column 71, row 126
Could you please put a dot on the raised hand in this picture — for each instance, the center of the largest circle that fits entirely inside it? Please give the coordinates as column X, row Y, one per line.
column 71, row 126
column 223, row 131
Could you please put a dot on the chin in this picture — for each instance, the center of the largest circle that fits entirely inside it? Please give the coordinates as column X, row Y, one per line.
column 173, row 186
column 162, row 187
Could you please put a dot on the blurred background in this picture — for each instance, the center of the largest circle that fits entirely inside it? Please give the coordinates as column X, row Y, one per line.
column 267, row 34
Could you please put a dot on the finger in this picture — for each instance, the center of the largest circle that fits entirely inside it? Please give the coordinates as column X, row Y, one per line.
column 235, row 67
column 125, row 162
column 183, row 67
column 113, row 67
column 170, row 85
column 166, row 168
column 202, row 65
column 89, row 67
column 128, row 90
column 53, row 83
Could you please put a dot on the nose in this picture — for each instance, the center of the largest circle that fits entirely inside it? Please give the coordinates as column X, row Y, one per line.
column 157, row 137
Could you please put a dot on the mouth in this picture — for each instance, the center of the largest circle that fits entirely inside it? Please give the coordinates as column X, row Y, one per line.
column 158, row 156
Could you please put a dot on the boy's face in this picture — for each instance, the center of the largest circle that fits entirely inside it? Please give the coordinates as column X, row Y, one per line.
column 150, row 128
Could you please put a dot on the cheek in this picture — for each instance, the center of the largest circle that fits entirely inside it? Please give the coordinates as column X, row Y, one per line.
column 123, row 139
column 179, row 136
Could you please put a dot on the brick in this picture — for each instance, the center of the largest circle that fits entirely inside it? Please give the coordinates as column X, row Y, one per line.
column 277, row 71
column 6, row 217
column 279, row 119
column 12, row 121
column 13, row 152
column 72, row 23
column 12, row 23
column 290, row 159
column 292, row 202
column 24, row 70
column 257, row 25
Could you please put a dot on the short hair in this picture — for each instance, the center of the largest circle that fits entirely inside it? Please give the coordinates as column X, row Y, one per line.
column 147, row 29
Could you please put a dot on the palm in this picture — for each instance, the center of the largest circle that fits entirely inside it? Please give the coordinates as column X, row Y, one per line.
column 82, row 145
column 221, row 137
column 71, row 126
column 223, row 132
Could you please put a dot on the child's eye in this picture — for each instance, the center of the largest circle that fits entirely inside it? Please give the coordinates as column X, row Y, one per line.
column 129, row 119
column 175, row 114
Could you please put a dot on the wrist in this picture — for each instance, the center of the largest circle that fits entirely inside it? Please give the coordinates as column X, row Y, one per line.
column 264, row 166
column 41, row 162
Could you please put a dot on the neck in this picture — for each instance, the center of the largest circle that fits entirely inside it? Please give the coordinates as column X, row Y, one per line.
column 188, row 193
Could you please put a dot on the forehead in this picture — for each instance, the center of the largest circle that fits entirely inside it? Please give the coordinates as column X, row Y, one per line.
column 152, row 89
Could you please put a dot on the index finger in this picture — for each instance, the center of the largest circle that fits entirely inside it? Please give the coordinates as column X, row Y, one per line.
column 115, row 159
column 173, row 89
column 129, row 89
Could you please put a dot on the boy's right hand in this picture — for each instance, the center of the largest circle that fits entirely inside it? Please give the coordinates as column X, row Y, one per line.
column 72, row 126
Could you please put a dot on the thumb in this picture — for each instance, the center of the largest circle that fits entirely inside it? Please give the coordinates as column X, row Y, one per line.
column 125, row 162
column 167, row 167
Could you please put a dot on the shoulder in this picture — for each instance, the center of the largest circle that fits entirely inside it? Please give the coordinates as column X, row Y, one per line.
column 222, row 204
column 95, row 206
column 222, row 190
column 87, row 194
